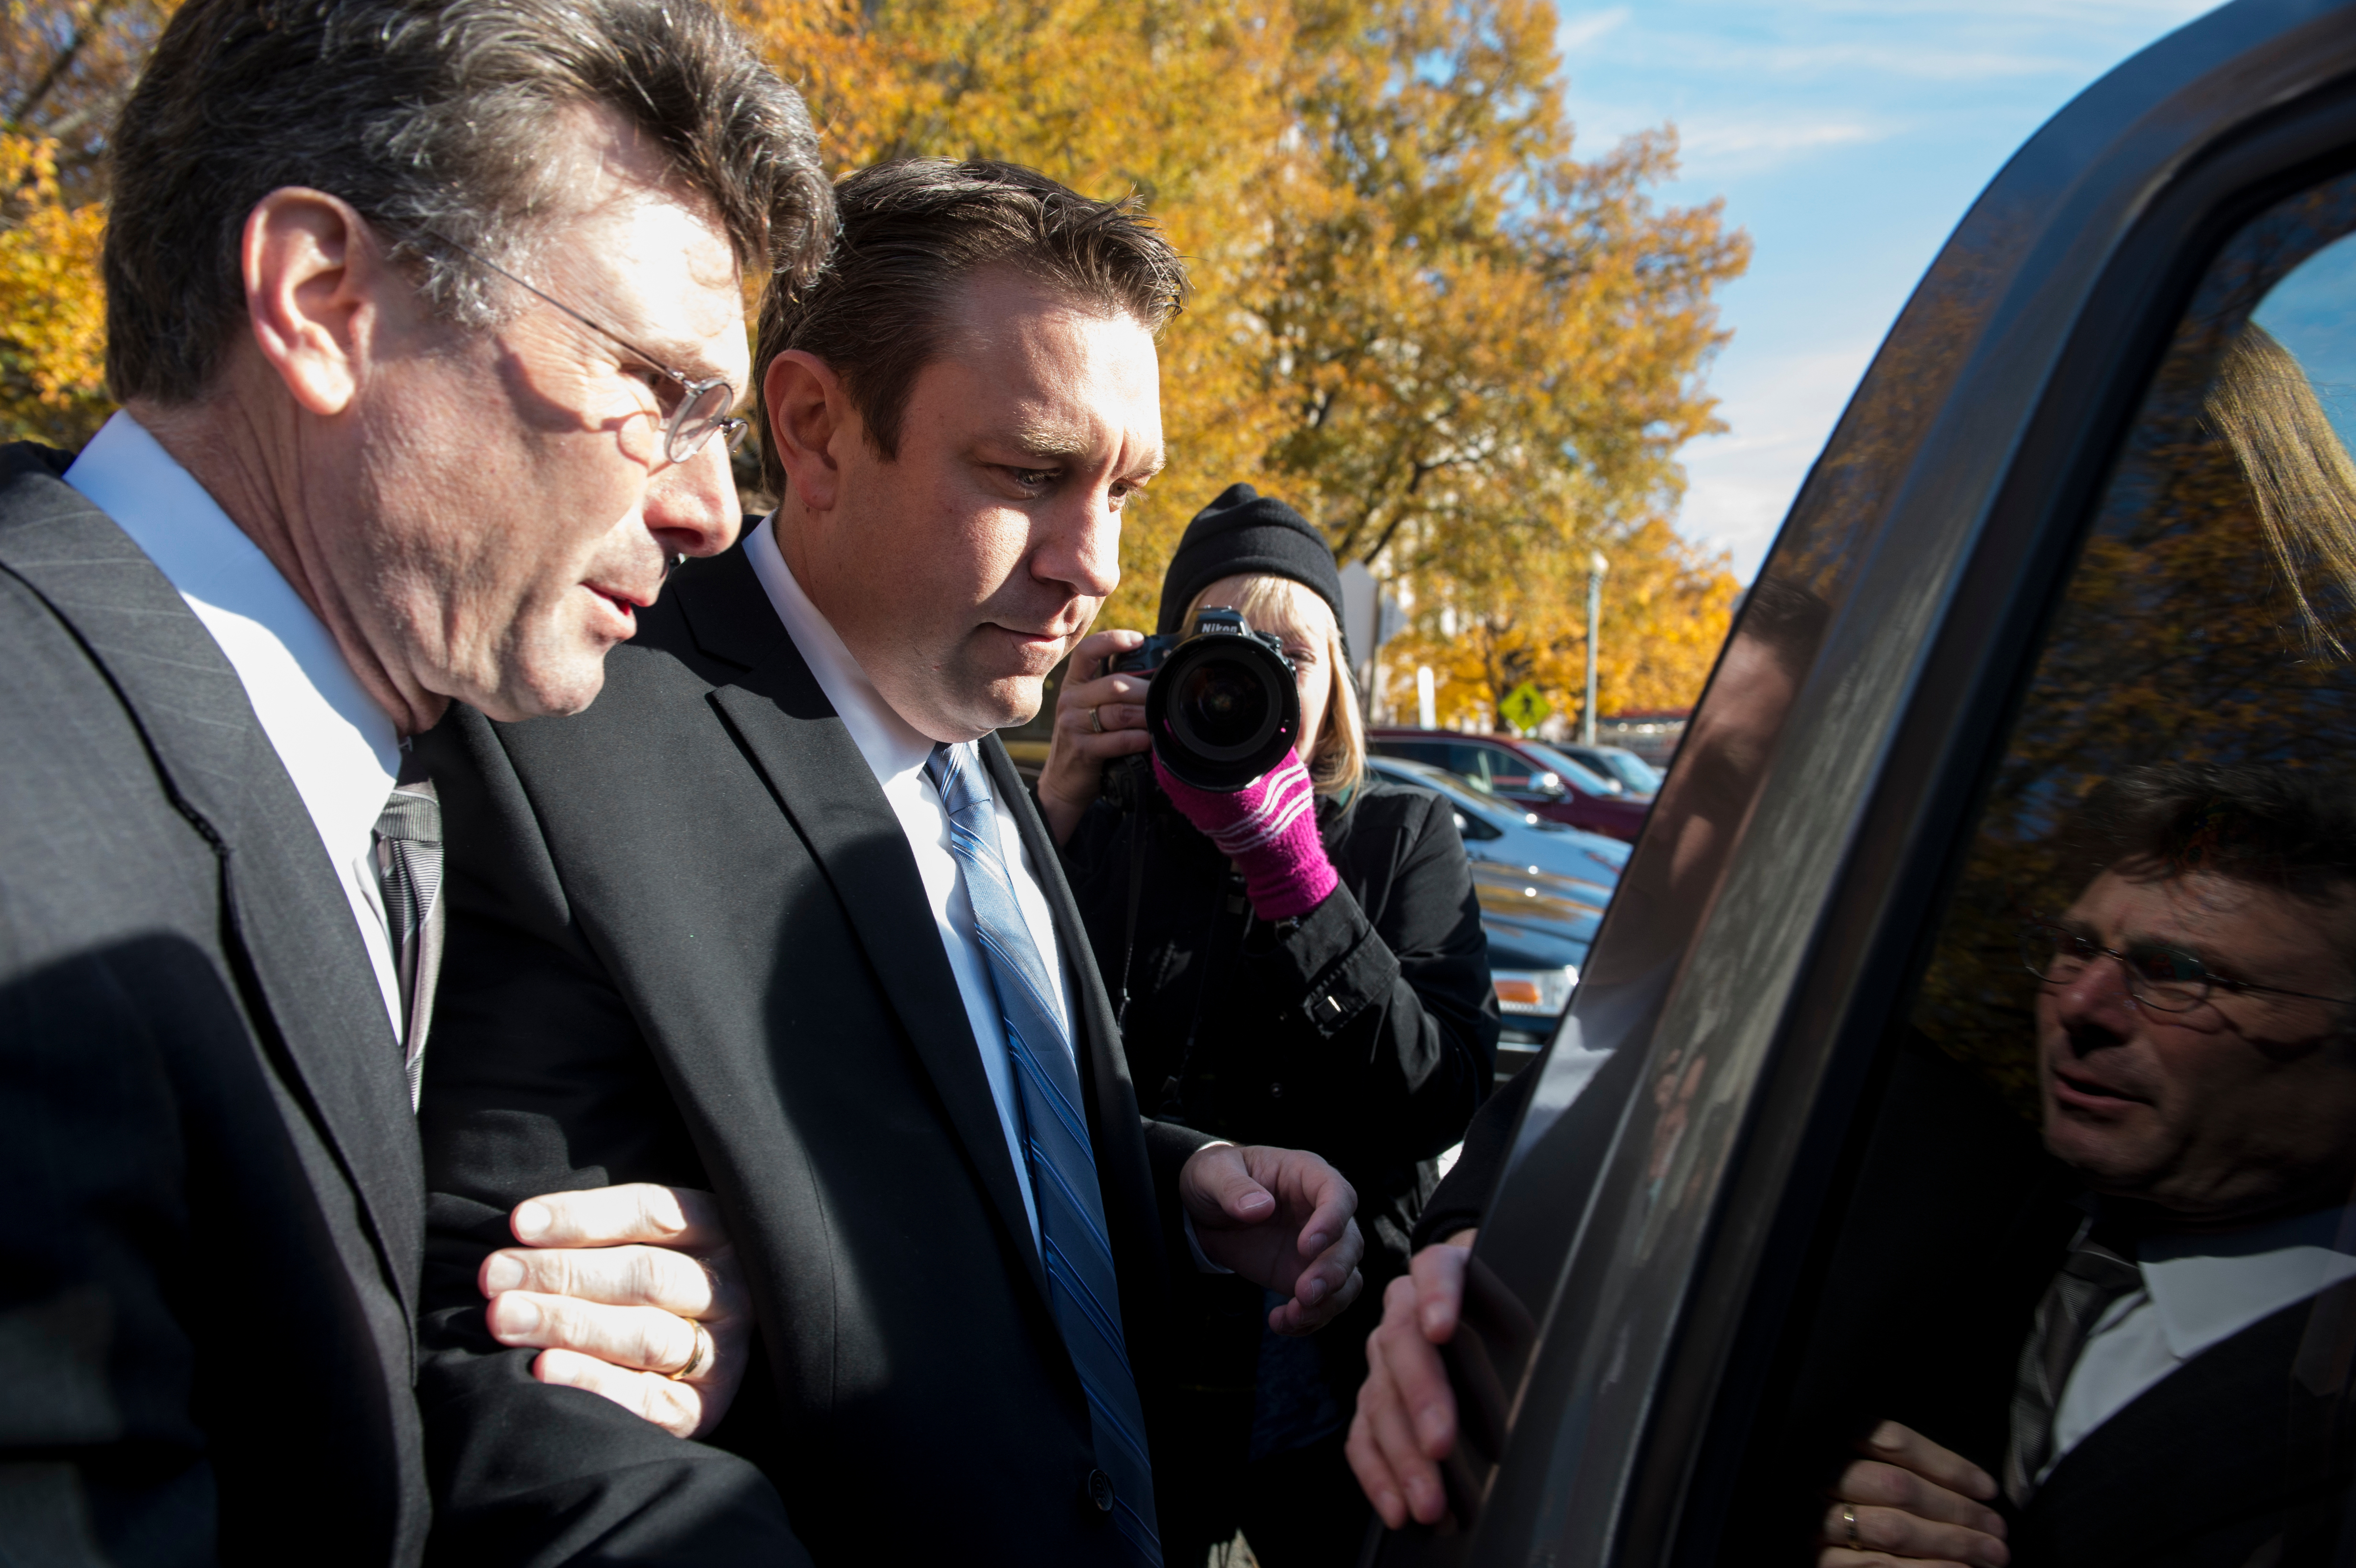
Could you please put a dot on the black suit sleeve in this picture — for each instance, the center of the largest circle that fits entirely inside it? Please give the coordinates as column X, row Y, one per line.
column 1463, row 1200
column 538, row 1081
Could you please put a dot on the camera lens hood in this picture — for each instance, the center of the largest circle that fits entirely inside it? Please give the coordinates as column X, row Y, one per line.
column 1223, row 710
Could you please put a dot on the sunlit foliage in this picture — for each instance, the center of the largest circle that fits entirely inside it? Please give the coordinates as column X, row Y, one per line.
column 64, row 71
column 1470, row 355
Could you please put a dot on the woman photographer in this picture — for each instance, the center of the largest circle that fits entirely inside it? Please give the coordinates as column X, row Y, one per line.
column 1298, row 961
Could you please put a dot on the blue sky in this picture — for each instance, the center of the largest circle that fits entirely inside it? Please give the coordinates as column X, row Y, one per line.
column 1847, row 137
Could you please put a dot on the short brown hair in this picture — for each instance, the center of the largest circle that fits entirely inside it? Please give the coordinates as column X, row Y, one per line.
column 911, row 232
column 2293, row 829
column 434, row 120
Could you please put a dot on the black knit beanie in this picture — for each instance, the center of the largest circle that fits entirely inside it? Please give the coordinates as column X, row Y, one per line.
column 1245, row 531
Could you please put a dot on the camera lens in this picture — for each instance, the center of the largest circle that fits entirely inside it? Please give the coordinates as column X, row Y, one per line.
column 1222, row 707
column 1223, row 710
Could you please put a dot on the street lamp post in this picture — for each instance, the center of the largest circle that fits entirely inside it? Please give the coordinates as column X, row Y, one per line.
column 1595, row 568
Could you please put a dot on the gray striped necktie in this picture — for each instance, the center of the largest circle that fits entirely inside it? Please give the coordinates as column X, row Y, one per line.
column 2095, row 1275
column 407, row 852
column 1082, row 1287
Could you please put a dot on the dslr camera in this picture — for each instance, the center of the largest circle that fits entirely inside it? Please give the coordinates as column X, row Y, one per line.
column 1221, row 710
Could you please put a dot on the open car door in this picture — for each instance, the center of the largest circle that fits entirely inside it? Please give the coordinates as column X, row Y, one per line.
column 1874, row 1045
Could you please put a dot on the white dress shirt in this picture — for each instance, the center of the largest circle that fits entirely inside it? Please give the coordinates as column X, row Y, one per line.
column 897, row 752
column 2198, row 1291
column 341, row 749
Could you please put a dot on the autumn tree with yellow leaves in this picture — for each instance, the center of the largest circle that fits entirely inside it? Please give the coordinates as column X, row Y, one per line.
column 64, row 72
column 1468, row 353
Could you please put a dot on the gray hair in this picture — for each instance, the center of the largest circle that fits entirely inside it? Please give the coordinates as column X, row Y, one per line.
column 436, row 120
column 913, row 232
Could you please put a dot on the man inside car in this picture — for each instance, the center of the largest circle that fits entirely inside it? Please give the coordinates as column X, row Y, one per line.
column 2197, row 1078
column 2197, row 1089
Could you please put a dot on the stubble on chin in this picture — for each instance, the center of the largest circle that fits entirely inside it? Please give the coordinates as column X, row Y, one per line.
column 550, row 666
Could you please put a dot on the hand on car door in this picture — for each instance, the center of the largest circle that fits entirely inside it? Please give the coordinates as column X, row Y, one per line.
column 1405, row 1422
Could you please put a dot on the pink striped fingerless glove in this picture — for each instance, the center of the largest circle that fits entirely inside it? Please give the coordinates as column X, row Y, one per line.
column 1268, row 828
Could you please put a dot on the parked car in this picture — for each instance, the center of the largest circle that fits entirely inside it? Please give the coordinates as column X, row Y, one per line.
column 1543, row 888
column 1534, row 963
column 1783, row 1172
column 1498, row 829
column 1640, row 778
column 1551, row 787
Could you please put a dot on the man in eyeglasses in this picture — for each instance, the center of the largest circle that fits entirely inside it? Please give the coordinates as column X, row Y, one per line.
column 426, row 320
column 2197, row 1075
column 2104, row 1344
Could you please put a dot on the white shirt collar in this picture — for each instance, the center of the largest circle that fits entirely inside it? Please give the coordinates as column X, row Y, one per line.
column 2207, row 1289
column 339, row 748
column 892, row 745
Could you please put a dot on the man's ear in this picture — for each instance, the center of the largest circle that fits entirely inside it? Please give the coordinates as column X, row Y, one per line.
column 811, row 417
column 315, row 281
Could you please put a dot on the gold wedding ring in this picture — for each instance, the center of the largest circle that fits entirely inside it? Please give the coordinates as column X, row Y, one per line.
column 706, row 1352
column 1848, row 1518
column 1095, row 721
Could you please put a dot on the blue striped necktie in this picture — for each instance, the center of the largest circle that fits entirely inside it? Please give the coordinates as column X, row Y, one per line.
column 1082, row 1288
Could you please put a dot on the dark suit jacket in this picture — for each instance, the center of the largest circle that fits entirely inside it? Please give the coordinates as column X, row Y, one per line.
column 1956, row 1224
column 211, row 1237
column 688, row 943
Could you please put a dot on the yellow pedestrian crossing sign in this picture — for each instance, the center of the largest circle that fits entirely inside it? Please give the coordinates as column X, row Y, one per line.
column 1524, row 707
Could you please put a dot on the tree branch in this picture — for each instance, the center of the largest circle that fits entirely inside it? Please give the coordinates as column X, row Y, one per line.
column 63, row 62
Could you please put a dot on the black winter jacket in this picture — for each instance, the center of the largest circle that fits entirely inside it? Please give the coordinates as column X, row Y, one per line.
column 1366, row 1030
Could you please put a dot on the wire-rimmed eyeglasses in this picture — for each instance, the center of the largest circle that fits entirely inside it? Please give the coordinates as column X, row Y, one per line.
column 697, row 410
column 2167, row 978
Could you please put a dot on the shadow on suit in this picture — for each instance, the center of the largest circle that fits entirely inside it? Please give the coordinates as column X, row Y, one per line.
column 209, row 1248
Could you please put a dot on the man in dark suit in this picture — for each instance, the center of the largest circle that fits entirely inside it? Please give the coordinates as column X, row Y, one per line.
column 2124, row 1340
column 2170, row 1295
column 358, row 472
column 779, row 918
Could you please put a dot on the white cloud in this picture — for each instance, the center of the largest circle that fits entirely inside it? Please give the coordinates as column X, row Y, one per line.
column 1907, row 61
column 1709, row 147
column 1779, row 412
column 1575, row 33
column 1749, row 64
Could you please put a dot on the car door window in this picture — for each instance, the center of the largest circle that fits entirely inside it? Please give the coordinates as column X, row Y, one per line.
column 1472, row 764
column 2093, row 1235
column 1435, row 753
column 1509, row 772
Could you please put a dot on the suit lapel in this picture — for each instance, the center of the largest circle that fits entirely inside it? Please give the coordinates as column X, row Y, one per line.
column 781, row 717
column 310, row 980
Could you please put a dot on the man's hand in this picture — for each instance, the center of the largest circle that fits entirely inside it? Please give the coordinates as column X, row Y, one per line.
column 1098, row 717
column 1281, row 1218
column 620, row 1287
column 1406, row 1412
column 1914, row 1503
